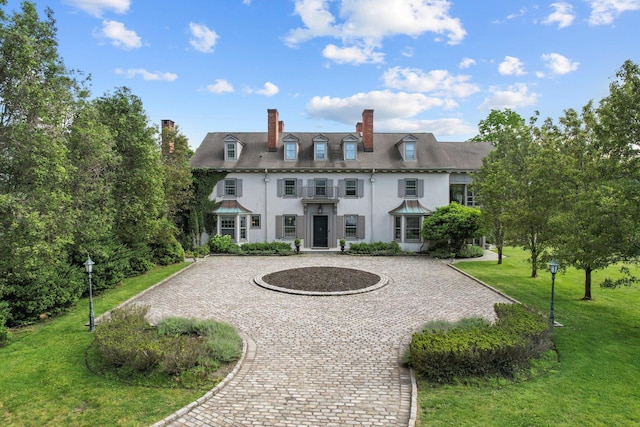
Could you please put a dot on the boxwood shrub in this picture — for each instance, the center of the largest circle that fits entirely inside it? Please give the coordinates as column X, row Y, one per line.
column 519, row 335
column 375, row 248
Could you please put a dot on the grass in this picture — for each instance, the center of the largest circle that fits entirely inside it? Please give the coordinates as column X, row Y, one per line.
column 44, row 379
column 596, row 380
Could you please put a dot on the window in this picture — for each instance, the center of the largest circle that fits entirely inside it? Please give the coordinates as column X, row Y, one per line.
column 290, row 151
column 243, row 227
column 351, row 226
column 290, row 187
column 231, row 151
column 397, row 230
column 462, row 195
column 351, row 187
column 350, row 151
column 321, row 151
column 290, row 226
column 255, row 221
column 228, row 226
column 320, row 187
column 412, row 228
column 230, row 187
column 411, row 187
column 409, row 150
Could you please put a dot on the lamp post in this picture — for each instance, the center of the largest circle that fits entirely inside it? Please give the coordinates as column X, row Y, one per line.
column 553, row 268
column 88, row 267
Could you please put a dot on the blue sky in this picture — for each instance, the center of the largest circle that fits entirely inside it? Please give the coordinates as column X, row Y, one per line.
column 424, row 66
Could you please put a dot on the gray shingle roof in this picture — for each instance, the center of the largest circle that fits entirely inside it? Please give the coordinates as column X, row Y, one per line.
column 431, row 155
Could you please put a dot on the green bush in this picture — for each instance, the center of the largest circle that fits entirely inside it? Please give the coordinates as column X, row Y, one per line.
column 266, row 248
column 176, row 346
column 376, row 248
column 221, row 244
column 442, row 354
column 443, row 252
column 470, row 251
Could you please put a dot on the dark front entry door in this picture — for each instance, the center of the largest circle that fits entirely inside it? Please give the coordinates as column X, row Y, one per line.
column 320, row 233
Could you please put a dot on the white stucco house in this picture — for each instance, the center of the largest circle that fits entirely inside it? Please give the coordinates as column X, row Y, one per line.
column 360, row 186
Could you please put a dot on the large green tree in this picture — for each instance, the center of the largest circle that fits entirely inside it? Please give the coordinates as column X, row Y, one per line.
column 138, row 195
column 455, row 223
column 37, row 99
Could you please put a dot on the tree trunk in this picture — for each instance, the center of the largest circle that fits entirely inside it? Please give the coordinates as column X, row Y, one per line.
column 500, row 254
column 587, row 284
column 534, row 261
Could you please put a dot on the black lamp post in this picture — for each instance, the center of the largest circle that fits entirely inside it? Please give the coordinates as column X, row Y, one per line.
column 553, row 268
column 88, row 267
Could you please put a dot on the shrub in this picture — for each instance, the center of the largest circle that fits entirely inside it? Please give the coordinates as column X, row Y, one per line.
column 444, row 353
column 177, row 345
column 221, row 244
column 266, row 248
column 445, row 252
column 376, row 248
column 470, row 251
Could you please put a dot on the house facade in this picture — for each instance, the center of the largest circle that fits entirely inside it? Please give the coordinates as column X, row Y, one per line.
column 359, row 186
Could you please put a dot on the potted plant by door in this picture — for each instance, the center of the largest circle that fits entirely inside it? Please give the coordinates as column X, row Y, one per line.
column 342, row 243
column 297, row 243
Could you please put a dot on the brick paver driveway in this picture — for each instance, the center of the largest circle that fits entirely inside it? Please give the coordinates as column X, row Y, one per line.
column 321, row 360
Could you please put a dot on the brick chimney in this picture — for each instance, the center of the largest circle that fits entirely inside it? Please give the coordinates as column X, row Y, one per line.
column 359, row 127
column 367, row 130
column 273, row 129
column 167, row 145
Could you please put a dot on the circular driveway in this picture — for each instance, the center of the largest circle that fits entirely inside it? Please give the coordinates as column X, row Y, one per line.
column 317, row 360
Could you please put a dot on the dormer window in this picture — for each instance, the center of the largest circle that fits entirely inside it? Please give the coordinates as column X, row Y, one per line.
column 290, row 147
column 350, row 151
column 231, row 151
column 409, row 150
column 232, row 148
column 320, row 148
column 350, row 147
column 290, row 151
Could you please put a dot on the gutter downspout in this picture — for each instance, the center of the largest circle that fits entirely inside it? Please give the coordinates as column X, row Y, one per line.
column 373, row 180
column 266, row 201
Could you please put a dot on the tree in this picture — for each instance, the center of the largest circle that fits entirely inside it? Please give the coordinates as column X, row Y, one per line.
column 596, row 159
column 138, row 182
column 453, row 222
column 37, row 99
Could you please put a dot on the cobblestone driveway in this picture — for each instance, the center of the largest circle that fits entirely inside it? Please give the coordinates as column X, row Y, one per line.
column 317, row 361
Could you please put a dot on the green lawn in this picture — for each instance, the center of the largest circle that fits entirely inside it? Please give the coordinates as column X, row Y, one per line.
column 44, row 380
column 597, row 381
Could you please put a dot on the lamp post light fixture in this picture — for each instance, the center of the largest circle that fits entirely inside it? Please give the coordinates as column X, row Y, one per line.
column 88, row 267
column 553, row 268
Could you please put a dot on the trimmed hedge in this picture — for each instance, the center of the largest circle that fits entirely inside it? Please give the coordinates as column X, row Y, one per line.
column 502, row 348
column 376, row 248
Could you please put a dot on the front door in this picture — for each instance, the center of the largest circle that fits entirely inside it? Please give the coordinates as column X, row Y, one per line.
column 320, row 232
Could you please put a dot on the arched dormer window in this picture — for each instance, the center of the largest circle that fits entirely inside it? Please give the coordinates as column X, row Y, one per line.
column 291, row 144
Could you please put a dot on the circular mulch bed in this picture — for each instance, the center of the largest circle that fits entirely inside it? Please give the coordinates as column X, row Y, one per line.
column 321, row 280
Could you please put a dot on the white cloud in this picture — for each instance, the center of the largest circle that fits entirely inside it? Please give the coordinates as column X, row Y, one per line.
column 388, row 105
column 202, row 39
column 220, row 86
column 269, row 89
column 559, row 64
column 373, row 20
column 96, row 7
column 119, row 35
column 511, row 66
column 448, row 126
column 438, row 82
column 466, row 63
column 604, row 12
column 146, row 75
column 562, row 15
column 353, row 55
column 513, row 97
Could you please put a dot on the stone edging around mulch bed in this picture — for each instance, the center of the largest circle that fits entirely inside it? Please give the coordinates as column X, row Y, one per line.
column 384, row 280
